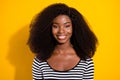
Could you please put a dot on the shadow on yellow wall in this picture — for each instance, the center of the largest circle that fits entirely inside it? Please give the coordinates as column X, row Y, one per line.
column 20, row 56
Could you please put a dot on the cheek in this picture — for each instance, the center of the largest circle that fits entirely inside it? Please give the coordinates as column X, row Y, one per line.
column 54, row 31
column 69, row 31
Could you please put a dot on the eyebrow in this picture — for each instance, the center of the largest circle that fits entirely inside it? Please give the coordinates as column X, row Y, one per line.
column 63, row 23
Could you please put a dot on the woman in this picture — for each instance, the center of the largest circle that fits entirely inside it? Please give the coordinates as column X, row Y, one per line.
column 63, row 43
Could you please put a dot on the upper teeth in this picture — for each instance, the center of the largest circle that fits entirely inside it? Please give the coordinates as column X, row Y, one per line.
column 61, row 37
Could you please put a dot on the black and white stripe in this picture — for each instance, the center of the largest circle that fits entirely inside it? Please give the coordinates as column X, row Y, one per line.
column 84, row 70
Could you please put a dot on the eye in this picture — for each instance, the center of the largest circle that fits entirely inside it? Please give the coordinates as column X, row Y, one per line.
column 67, row 26
column 55, row 26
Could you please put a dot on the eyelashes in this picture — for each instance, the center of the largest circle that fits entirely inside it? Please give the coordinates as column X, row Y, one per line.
column 56, row 26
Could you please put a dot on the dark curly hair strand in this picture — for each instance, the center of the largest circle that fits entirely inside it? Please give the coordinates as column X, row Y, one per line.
column 41, row 40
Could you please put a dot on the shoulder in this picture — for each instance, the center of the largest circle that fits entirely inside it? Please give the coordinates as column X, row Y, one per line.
column 37, row 62
column 88, row 62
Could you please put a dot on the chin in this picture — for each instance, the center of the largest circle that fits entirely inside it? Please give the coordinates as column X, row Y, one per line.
column 62, row 41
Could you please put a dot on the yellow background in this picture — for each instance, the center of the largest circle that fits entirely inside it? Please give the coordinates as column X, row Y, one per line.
column 15, row 16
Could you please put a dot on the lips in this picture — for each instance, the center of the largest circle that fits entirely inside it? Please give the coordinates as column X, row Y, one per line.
column 61, row 37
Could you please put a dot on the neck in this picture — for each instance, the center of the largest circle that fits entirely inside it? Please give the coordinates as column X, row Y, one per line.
column 62, row 48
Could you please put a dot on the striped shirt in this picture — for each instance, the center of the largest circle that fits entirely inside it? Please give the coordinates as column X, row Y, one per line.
column 84, row 70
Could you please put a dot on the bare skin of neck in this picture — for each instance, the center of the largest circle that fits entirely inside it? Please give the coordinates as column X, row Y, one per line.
column 63, row 49
column 64, row 58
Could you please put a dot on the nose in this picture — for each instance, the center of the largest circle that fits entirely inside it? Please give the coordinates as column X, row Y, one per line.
column 61, row 30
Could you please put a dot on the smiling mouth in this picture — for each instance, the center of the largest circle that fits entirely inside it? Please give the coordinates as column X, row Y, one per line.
column 61, row 37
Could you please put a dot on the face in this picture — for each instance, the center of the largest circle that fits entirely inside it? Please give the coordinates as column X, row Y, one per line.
column 62, row 29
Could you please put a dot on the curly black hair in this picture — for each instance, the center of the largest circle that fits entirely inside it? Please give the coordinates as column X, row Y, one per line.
column 41, row 40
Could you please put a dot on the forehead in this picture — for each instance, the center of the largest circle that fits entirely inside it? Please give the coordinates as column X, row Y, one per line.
column 62, row 19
